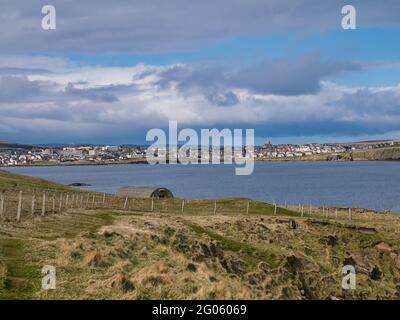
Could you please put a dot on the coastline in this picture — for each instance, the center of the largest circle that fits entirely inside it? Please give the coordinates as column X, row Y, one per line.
column 72, row 164
column 382, row 154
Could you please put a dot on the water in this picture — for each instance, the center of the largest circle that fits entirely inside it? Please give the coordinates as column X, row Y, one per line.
column 374, row 185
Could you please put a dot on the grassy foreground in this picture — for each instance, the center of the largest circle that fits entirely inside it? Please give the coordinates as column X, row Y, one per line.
column 115, row 254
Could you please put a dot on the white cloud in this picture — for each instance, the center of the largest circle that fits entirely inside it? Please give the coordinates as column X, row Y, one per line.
column 96, row 102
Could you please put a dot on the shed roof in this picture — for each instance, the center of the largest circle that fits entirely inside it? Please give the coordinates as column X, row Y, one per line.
column 144, row 192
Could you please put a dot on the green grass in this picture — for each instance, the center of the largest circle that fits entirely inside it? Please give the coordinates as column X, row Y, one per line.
column 20, row 276
column 13, row 181
column 206, row 206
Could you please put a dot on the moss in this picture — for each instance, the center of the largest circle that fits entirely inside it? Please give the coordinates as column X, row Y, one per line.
column 20, row 277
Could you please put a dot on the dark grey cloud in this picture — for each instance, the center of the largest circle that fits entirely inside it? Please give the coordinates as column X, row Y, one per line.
column 189, row 77
column 101, row 26
column 295, row 76
column 17, row 88
column 22, row 71
column 94, row 94
column 369, row 103
column 289, row 77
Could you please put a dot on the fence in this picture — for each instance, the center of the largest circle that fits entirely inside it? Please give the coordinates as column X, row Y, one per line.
column 21, row 205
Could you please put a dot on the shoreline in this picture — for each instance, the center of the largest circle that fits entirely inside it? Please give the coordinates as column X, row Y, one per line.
column 73, row 164
column 380, row 154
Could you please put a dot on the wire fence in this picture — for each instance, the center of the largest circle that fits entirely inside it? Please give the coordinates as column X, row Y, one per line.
column 22, row 205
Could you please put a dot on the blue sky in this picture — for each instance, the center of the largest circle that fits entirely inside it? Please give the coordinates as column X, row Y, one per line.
column 284, row 68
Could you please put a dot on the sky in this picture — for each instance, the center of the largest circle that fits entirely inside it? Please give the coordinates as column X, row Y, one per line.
column 111, row 71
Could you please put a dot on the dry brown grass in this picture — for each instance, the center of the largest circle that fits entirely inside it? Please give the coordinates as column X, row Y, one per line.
column 172, row 256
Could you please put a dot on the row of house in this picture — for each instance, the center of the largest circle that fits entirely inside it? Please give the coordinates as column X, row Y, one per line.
column 20, row 156
column 269, row 150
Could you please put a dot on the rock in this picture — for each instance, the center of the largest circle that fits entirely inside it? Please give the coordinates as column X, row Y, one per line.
column 262, row 225
column 255, row 278
column 205, row 250
column 122, row 283
column 349, row 261
column 215, row 249
column 375, row 273
column 332, row 240
column 293, row 225
column 232, row 265
column 191, row 267
column 293, row 263
column 79, row 184
column 384, row 247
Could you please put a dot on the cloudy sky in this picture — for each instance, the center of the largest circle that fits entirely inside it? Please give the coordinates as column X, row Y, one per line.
column 112, row 70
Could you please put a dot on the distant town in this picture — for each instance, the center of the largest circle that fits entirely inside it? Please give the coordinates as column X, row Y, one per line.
column 12, row 154
column 292, row 150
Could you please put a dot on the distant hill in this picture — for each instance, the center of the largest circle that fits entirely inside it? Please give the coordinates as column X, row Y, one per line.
column 14, row 145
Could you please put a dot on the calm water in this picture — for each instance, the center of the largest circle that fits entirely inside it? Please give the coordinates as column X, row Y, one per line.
column 373, row 185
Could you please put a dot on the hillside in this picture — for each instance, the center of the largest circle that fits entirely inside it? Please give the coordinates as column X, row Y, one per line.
column 11, row 181
column 381, row 154
column 13, row 145
column 378, row 154
column 159, row 251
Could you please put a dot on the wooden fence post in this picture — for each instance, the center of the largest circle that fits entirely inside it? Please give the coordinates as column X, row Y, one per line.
column 54, row 204
column 60, row 205
column 152, row 204
column 104, row 198
column 19, row 206
column 350, row 214
column 33, row 205
column 275, row 209
column 248, row 206
column 215, row 206
column 67, row 201
column 44, row 204
column 183, row 205
column 87, row 200
column 2, row 199
column 302, row 211
column 126, row 203
column 336, row 213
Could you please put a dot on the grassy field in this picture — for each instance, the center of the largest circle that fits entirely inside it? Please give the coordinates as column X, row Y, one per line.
column 11, row 181
column 233, row 253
